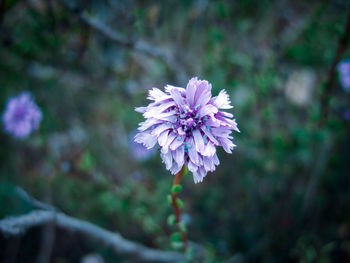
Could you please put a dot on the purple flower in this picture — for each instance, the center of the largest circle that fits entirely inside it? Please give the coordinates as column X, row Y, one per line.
column 344, row 72
column 188, row 125
column 21, row 116
column 138, row 151
column 346, row 115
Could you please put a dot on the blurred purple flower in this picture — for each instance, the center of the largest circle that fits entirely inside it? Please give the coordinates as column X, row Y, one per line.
column 346, row 115
column 344, row 72
column 21, row 116
column 138, row 151
column 188, row 125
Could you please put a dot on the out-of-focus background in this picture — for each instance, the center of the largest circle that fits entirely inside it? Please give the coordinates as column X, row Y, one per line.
column 282, row 196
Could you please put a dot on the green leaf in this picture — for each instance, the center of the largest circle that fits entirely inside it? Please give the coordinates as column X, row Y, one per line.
column 182, row 227
column 171, row 220
column 185, row 171
column 169, row 199
column 179, row 203
column 87, row 162
column 176, row 189
column 175, row 237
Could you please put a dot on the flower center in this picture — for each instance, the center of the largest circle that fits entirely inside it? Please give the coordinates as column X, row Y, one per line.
column 189, row 120
column 19, row 113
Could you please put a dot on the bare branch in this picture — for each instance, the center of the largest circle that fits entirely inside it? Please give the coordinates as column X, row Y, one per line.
column 35, row 203
column 199, row 250
column 19, row 224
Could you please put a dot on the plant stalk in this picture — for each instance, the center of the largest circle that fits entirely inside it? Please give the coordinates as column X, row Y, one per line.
column 176, row 208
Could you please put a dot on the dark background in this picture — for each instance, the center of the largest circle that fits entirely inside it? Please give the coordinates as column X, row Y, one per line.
column 282, row 196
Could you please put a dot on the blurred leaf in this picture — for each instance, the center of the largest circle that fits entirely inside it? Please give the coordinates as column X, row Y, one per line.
column 176, row 189
column 175, row 237
column 87, row 162
column 169, row 199
column 171, row 220
column 179, row 203
column 182, row 226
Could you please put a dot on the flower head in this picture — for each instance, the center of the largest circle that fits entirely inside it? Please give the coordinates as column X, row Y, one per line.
column 138, row 151
column 21, row 116
column 188, row 125
column 344, row 72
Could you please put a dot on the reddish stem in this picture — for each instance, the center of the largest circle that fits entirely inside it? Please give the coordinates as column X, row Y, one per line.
column 175, row 206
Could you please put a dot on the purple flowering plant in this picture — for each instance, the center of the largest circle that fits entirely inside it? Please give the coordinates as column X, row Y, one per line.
column 21, row 116
column 187, row 124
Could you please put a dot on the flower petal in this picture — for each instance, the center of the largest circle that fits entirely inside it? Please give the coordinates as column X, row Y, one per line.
column 141, row 109
column 192, row 153
column 161, row 128
column 210, row 135
column 147, row 139
column 148, row 123
column 216, row 159
column 157, row 95
column 162, row 138
column 167, row 159
column 203, row 93
column 208, row 109
column 209, row 165
column 222, row 101
column 226, row 144
column 176, row 95
column 178, row 155
column 169, row 140
column 177, row 142
column 191, row 91
column 192, row 167
column 209, row 150
column 175, row 168
column 197, row 178
column 198, row 139
column 154, row 110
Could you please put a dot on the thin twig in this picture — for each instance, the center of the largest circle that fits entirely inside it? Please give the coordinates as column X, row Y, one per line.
column 137, row 45
column 320, row 164
column 19, row 224
column 342, row 45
